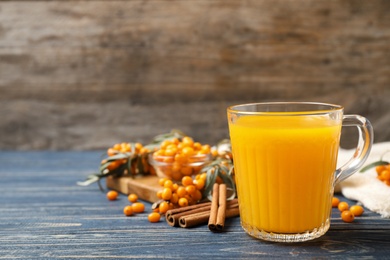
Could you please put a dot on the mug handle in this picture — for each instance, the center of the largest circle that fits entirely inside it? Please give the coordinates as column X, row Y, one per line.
column 366, row 138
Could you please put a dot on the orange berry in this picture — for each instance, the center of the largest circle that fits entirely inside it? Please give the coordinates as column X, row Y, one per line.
column 175, row 186
column 197, row 146
column 380, row 168
column 113, row 165
column 335, row 202
column 132, row 197
column 166, row 194
column 175, row 198
column 347, row 216
column 154, row 217
column 218, row 180
column 190, row 189
column 168, row 184
column 138, row 207
column 183, row 202
column 163, row 207
column 181, row 191
column 162, row 181
column 159, row 194
column 188, row 151
column 343, row 206
column 176, row 175
column 186, row 181
column 175, row 140
column 117, row 147
column 128, row 210
column 112, row 195
column 203, row 176
column 187, row 140
column 197, row 195
column 170, row 152
column 138, row 146
column 356, row 210
column 164, row 144
column 111, row 151
column 199, row 183
column 385, row 175
column 186, row 170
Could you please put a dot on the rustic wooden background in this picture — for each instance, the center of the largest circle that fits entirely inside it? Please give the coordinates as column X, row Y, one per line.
column 87, row 74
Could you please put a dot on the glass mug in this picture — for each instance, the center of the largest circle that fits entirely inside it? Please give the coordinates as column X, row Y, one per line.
column 285, row 156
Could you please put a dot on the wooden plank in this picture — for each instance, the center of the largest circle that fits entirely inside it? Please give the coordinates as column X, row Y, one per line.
column 146, row 187
column 114, row 46
column 45, row 215
column 179, row 64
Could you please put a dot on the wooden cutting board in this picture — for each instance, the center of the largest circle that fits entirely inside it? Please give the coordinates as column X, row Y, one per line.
column 145, row 187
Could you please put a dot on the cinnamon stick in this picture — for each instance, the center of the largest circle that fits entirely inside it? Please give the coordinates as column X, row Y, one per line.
column 214, row 207
column 193, row 215
column 220, row 221
column 173, row 219
column 195, row 219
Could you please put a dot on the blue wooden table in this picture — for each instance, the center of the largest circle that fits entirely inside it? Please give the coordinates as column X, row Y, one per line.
column 45, row 215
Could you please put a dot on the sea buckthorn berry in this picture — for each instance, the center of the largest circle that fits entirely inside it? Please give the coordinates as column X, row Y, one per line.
column 181, row 191
column 168, row 184
column 343, row 206
column 176, row 175
column 175, row 198
column 175, row 186
column 163, row 207
column 356, row 210
column 159, row 194
column 113, row 165
column 203, row 176
column 335, row 202
column 183, row 202
column 112, row 195
column 132, row 197
column 138, row 207
column 128, row 210
column 187, row 141
column 385, row 175
column 166, row 194
column 162, row 181
column 138, row 146
column 197, row 146
column 199, row 183
column 164, row 144
column 190, row 189
column 187, row 151
column 347, row 216
column 117, row 147
column 154, row 217
column 197, row 196
column 170, row 151
column 111, row 151
column 380, row 168
column 186, row 170
column 186, row 181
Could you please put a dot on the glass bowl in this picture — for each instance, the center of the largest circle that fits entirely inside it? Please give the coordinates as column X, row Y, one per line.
column 168, row 167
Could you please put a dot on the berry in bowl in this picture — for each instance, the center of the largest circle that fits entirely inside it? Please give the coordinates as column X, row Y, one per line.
column 178, row 158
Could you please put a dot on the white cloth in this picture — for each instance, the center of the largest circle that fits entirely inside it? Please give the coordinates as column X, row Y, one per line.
column 365, row 187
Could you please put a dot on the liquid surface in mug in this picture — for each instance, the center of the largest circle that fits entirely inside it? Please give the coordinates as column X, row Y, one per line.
column 284, row 167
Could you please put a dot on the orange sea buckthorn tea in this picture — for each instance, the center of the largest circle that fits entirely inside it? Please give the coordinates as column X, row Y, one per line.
column 285, row 157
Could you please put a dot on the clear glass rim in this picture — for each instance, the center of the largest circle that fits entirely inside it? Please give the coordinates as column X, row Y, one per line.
column 307, row 108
